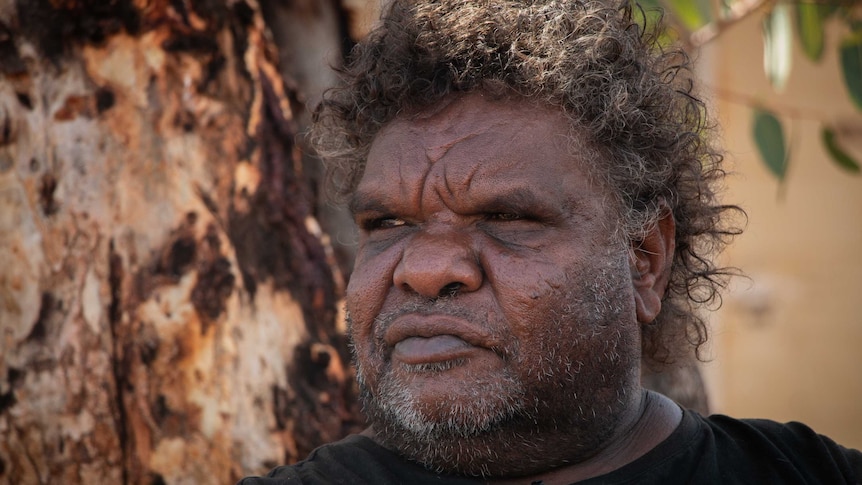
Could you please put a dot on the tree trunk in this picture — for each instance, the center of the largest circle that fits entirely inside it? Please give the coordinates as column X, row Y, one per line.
column 167, row 300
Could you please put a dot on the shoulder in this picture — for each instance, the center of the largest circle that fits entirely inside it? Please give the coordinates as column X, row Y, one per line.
column 789, row 450
column 331, row 463
column 723, row 450
column 791, row 437
column 354, row 460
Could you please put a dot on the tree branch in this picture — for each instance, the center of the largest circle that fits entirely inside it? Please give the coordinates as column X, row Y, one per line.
column 782, row 109
column 738, row 11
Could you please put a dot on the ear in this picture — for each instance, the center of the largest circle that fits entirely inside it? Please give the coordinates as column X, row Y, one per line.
column 651, row 260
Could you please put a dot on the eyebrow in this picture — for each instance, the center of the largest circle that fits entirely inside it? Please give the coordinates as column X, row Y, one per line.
column 365, row 202
column 516, row 199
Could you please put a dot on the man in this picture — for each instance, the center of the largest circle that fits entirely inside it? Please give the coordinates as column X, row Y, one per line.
column 534, row 191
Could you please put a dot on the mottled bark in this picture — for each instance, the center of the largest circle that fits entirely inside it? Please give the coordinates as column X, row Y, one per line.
column 167, row 300
column 312, row 37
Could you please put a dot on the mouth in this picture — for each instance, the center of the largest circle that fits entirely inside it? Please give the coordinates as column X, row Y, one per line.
column 430, row 350
column 433, row 339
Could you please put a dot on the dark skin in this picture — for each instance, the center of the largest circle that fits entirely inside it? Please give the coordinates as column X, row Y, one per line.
column 492, row 303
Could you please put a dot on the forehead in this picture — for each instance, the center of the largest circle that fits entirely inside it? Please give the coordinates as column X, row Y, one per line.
column 475, row 144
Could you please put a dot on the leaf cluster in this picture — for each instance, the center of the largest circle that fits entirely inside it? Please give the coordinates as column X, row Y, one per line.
column 695, row 22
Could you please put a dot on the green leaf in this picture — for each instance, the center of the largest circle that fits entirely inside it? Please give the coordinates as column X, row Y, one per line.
column 692, row 14
column 809, row 24
column 769, row 137
column 839, row 156
column 652, row 19
column 851, row 66
column 777, row 46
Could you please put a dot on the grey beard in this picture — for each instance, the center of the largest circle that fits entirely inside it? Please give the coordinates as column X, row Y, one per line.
column 503, row 427
column 491, row 400
column 490, row 403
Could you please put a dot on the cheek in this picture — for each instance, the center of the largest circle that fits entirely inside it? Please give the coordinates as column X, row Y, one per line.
column 572, row 308
column 525, row 288
column 369, row 284
column 529, row 295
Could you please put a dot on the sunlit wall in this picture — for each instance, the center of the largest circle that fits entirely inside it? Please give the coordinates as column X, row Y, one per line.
column 787, row 340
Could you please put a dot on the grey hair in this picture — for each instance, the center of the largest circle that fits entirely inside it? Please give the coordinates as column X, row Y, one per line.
column 598, row 63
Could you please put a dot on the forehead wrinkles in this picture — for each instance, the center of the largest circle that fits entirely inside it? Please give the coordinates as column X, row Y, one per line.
column 455, row 161
column 470, row 144
column 443, row 130
column 459, row 149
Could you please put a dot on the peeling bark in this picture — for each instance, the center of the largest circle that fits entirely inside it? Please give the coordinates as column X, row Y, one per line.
column 168, row 304
column 312, row 37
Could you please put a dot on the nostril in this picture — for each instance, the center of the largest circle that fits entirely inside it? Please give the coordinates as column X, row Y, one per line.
column 451, row 289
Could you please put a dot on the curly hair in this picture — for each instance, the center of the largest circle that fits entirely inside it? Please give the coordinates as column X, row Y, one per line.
column 599, row 64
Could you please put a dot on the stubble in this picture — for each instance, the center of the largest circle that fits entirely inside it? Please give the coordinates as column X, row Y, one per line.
column 555, row 403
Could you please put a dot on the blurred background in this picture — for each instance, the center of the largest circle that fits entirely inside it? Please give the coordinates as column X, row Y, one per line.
column 786, row 342
column 170, row 300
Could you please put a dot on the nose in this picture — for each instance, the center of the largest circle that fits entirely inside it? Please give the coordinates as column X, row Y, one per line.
column 435, row 265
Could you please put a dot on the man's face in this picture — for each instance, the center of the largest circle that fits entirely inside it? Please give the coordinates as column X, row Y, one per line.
column 490, row 304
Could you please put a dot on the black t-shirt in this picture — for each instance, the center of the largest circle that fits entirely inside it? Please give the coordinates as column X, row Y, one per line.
column 714, row 450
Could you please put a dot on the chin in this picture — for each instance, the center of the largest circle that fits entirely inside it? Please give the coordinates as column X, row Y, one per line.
column 503, row 430
column 512, row 446
column 455, row 405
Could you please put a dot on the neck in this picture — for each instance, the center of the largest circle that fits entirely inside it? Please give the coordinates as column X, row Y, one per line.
column 653, row 417
column 658, row 418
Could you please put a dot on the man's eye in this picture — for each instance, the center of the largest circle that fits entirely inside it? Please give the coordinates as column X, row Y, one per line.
column 383, row 223
column 506, row 216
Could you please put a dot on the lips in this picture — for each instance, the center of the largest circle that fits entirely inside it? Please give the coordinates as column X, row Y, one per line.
column 424, row 339
column 427, row 350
